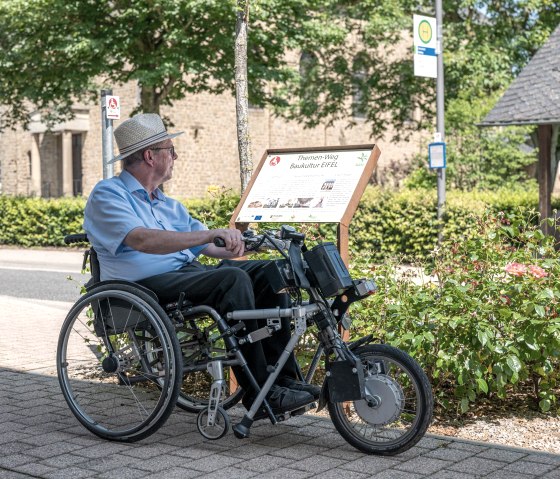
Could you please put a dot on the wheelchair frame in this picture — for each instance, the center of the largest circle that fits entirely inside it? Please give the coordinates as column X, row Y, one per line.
column 349, row 377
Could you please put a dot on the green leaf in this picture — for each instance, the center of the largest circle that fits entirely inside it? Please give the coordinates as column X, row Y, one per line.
column 544, row 405
column 482, row 385
column 540, row 310
column 514, row 363
column 464, row 405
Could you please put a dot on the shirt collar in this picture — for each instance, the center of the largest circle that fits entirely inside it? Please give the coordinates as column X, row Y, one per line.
column 132, row 184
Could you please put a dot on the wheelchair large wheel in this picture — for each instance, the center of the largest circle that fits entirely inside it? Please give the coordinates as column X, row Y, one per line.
column 198, row 348
column 118, row 363
column 400, row 404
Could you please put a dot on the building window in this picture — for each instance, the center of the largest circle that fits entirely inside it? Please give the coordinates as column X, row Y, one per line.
column 359, row 86
column 308, row 70
column 77, row 144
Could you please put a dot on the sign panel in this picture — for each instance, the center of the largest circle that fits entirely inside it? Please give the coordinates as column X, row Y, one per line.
column 437, row 155
column 113, row 107
column 425, row 46
column 306, row 186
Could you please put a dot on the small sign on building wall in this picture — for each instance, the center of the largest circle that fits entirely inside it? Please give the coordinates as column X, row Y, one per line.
column 113, row 107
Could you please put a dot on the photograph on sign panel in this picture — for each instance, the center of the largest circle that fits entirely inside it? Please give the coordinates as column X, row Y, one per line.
column 271, row 203
column 287, row 203
column 328, row 185
column 303, row 203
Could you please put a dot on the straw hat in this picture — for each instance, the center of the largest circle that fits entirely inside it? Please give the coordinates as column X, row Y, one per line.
column 139, row 132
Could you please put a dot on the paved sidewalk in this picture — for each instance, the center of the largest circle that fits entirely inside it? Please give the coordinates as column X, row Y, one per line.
column 39, row 437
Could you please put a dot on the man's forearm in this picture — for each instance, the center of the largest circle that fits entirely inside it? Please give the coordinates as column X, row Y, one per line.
column 164, row 242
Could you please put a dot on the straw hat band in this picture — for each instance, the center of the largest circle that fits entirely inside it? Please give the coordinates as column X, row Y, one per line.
column 143, row 143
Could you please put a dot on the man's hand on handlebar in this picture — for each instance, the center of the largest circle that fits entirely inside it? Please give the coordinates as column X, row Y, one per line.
column 230, row 239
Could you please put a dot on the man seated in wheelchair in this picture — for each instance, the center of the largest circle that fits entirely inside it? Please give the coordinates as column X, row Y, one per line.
column 144, row 236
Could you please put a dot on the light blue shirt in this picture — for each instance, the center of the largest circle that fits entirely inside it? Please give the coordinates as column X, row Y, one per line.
column 120, row 204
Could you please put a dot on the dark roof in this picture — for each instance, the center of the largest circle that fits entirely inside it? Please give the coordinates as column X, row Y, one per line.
column 534, row 96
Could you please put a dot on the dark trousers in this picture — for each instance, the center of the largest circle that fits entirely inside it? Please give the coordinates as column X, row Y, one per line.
column 230, row 286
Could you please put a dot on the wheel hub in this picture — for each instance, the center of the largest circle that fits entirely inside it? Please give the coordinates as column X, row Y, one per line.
column 384, row 402
column 110, row 364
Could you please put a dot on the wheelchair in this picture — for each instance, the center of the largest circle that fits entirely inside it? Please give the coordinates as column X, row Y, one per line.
column 124, row 360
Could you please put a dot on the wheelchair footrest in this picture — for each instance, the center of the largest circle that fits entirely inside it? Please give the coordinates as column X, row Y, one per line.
column 243, row 429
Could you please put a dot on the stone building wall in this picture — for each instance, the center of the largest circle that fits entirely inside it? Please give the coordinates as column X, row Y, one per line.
column 207, row 151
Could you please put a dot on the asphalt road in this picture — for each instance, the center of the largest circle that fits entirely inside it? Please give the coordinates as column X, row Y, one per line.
column 49, row 285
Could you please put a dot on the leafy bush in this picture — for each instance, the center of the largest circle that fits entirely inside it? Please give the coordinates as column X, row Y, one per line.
column 39, row 222
column 386, row 223
column 486, row 323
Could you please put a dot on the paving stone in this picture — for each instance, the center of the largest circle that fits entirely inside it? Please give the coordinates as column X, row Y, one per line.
column 446, row 474
column 370, row 464
column 394, row 474
column 114, row 461
column 328, row 441
column 211, row 463
column 503, row 474
column 250, row 451
column 429, row 442
column 35, row 469
column 448, row 454
column 155, row 464
column 345, row 452
column 284, row 473
column 53, row 449
column 198, row 451
column 102, row 449
column 283, row 440
column 174, row 473
column 126, row 473
column 267, row 463
column 477, row 465
column 301, row 451
column 14, row 460
column 228, row 473
column 64, row 460
column 423, row 465
column 476, row 448
column 337, row 474
column 70, row 473
column 544, row 458
column 502, row 455
column 150, row 450
column 529, row 467
column 316, row 464
column 13, row 475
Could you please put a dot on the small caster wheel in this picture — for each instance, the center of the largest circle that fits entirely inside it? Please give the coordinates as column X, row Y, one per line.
column 220, row 427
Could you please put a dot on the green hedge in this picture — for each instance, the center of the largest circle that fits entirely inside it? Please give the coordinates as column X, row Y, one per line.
column 386, row 223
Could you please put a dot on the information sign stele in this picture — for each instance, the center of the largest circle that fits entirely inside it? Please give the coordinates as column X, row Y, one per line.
column 308, row 185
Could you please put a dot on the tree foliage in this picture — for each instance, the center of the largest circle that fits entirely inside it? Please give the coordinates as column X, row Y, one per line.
column 53, row 52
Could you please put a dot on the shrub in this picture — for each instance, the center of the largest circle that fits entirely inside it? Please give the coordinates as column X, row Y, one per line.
column 489, row 321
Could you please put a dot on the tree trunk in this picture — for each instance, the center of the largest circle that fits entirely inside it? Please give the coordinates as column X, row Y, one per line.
column 241, row 94
column 149, row 99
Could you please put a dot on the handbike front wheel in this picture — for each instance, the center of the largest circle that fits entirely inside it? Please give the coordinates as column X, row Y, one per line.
column 118, row 363
column 398, row 408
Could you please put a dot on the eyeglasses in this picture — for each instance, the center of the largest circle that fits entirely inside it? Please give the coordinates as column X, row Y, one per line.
column 170, row 148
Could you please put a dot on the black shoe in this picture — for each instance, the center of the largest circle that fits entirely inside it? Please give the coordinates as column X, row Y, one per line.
column 280, row 399
column 296, row 385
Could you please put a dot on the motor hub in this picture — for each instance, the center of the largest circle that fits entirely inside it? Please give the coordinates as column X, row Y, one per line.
column 384, row 401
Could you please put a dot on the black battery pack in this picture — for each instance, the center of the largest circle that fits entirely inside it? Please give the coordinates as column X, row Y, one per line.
column 328, row 271
column 279, row 275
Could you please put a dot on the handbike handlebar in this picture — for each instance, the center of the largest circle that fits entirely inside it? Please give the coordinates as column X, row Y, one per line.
column 259, row 242
column 76, row 238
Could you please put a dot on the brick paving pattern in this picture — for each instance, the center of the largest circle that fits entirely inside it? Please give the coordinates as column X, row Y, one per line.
column 40, row 438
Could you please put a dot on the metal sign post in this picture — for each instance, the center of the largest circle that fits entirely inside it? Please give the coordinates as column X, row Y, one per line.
column 440, row 115
column 106, row 136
